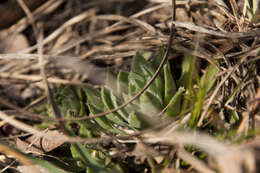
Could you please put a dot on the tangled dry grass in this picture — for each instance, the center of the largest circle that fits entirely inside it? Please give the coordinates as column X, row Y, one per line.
column 70, row 43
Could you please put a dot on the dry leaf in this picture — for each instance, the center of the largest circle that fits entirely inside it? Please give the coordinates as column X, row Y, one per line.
column 51, row 140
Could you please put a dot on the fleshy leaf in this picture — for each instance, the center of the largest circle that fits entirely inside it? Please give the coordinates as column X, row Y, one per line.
column 111, row 81
column 149, row 104
column 114, row 117
column 174, row 106
column 94, row 97
column 137, row 81
column 138, row 63
column 170, row 86
column 102, row 121
column 116, row 102
column 156, row 61
column 140, row 71
column 153, row 89
column 122, row 82
column 186, row 70
column 68, row 101
column 157, row 58
column 160, row 87
column 139, row 121
column 134, row 105
column 84, row 157
column 146, row 55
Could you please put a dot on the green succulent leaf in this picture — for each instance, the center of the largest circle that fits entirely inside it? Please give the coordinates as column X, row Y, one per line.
column 132, row 106
column 157, row 58
column 136, row 82
column 96, row 106
column 117, row 102
column 68, row 101
column 103, row 121
column 149, row 104
column 80, row 94
column 122, row 82
column 138, row 63
column 83, row 155
column 160, row 87
column 134, row 121
column 111, row 81
column 106, row 99
column 89, row 129
column 139, row 121
column 141, row 72
column 91, row 159
column 186, row 71
column 170, row 85
column 82, row 100
column 174, row 106
column 147, row 55
column 159, row 81
column 94, row 97
column 154, row 89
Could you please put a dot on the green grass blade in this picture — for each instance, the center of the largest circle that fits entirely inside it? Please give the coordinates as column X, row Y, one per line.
column 209, row 78
column 47, row 165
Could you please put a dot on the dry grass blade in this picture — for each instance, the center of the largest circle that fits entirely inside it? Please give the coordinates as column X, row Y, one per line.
column 5, row 149
column 79, row 66
column 29, row 15
column 46, row 8
column 229, row 159
column 59, row 31
column 254, row 104
column 200, row 29
column 115, row 27
column 26, row 114
column 196, row 163
column 18, row 124
column 48, row 91
column 35, row 78
column 133, row 21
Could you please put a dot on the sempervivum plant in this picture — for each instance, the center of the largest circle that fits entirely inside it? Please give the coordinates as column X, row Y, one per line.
column 164, row 99
column 143, row 112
